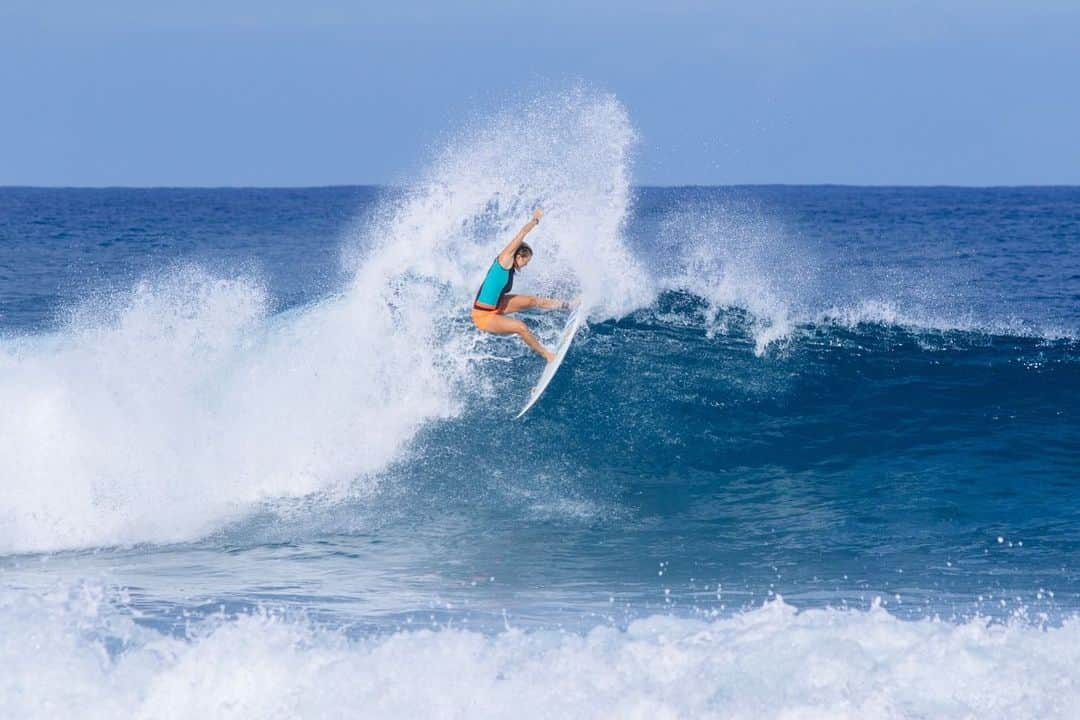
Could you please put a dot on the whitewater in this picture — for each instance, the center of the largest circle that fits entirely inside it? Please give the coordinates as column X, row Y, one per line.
column 813, row 455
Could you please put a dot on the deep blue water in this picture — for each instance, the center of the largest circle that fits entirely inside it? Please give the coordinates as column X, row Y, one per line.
column 841, row 396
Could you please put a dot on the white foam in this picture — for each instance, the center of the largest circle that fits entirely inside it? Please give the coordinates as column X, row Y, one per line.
column 185, row 406
column 73, row 655
column 889, row 312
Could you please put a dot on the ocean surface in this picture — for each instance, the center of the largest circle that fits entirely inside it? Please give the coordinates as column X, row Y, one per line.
column 816, row 452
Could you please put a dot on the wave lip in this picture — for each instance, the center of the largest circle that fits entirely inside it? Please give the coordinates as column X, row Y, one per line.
column 73, row 656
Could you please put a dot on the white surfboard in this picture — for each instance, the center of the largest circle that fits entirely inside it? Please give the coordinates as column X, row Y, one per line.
column 571, row 328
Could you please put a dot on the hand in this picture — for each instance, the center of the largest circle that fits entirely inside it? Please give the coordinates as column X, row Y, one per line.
column 537, row 214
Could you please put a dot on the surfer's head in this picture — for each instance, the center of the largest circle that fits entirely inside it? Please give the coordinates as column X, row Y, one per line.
column 522, row 256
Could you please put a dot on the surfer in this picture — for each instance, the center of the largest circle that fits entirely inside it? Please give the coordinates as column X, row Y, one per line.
column 494, row 301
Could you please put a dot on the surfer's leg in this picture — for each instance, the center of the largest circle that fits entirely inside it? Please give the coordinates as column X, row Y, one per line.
column 514, row 303
column 509, row 326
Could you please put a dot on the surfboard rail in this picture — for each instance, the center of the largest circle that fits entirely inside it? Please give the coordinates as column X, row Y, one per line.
column 573, row 323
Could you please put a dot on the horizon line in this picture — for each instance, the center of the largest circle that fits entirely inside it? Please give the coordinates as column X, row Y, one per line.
column 647, row 186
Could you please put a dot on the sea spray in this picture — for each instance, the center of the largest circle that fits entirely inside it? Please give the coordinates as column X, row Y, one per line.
column 183, row 405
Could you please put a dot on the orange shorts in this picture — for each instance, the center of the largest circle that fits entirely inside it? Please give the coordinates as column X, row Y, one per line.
column 481, row 318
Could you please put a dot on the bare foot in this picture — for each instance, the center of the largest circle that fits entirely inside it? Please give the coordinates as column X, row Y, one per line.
column 548, row 355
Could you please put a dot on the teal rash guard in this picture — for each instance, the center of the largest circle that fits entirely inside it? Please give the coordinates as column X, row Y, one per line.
column 496, row 284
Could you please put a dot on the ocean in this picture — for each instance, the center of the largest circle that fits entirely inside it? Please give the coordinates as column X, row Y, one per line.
column 814, row 453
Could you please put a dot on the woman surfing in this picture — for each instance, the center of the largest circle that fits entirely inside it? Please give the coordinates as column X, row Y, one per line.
column 494, row 301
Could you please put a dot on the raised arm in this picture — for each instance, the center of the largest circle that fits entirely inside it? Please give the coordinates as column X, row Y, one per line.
column 506, row 257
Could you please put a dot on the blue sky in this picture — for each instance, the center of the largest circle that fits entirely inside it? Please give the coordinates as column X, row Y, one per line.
column 333, row 92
